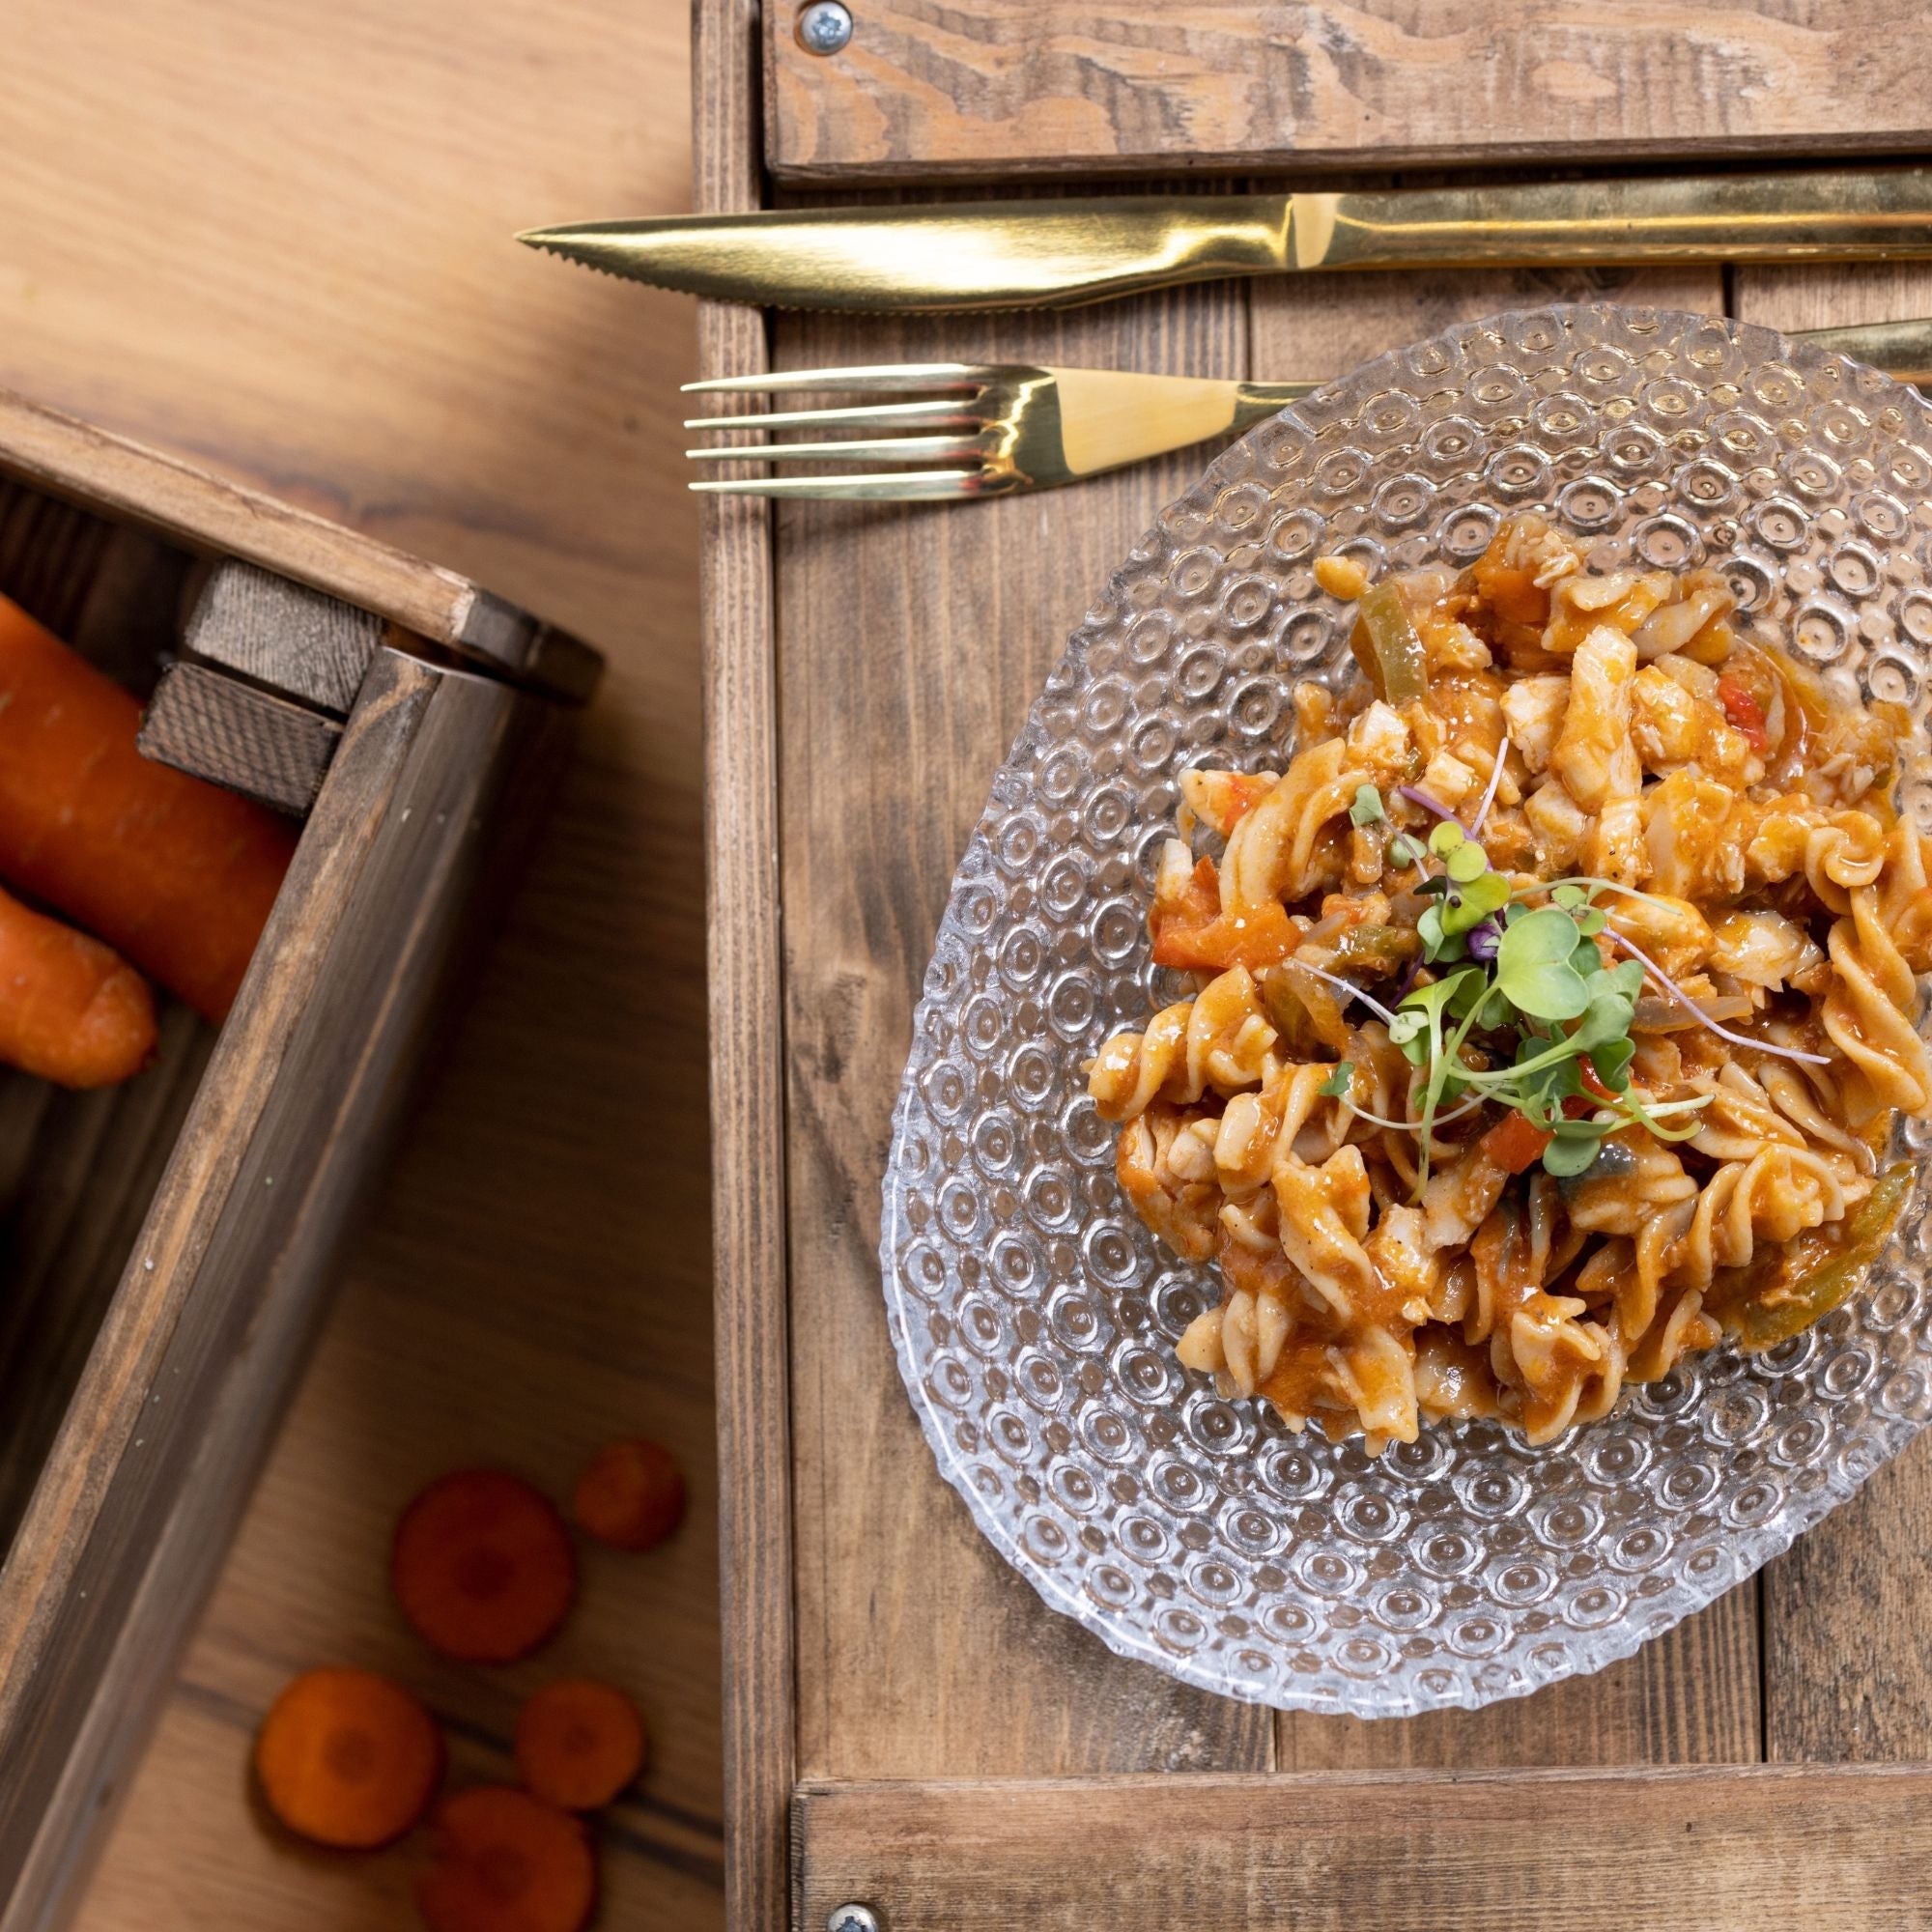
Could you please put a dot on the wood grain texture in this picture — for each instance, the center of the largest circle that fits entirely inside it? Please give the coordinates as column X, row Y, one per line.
column 314, row 291
column 1740, row 1850
column 748, row 1139
column 211, row 724
column 911, row 643
column 1693, row 1696
column 1845, row 1679
column 1042, row 86
column 309, row 646
column 65, row 457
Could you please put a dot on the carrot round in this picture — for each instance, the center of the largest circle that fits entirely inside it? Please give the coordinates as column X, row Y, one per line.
column 506, row 1862
column 482, row 1566
column 578, row 1744
column 630, row 1494
column 176, row 873
column 348, row 1759
column 71, row 1010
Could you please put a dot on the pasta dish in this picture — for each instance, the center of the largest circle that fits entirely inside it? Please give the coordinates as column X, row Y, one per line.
column 1552, row 1007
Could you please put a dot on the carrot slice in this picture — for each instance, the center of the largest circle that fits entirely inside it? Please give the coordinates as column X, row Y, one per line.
column 630, row 1494
column 482, row 1566
column 578, row 1744
column 348, row 1759
column 506, row 1862
column 71, row 1010
column 176, row 873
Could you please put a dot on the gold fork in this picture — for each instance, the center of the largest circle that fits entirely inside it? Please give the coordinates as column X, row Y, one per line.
column 1002, row 427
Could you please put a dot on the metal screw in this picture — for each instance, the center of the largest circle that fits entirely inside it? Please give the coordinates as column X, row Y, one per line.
column 852, row 1917
column 825, row 27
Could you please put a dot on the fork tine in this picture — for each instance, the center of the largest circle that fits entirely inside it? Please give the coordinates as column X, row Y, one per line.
column 880, row 449
column 904, row 486
column 933, row 413
column 881, row 379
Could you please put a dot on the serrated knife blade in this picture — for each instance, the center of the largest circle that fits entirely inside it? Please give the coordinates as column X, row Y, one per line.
column 1053, row 254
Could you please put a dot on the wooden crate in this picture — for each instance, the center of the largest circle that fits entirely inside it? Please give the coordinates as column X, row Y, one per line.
column 165, row 1246
column 906, row 1726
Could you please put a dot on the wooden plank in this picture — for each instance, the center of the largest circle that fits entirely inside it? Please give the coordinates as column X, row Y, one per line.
column 309, row 647
column 1845, row 1675
column 219, row 728
column 1692, row 1695
column 912, row 643
column 747, row 1142
column 69, row 1215
column 1059, row 86
column 1759, row 1849
column 70, row 458
column 227, row 1285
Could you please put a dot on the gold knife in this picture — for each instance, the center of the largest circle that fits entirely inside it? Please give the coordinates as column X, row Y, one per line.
column 1055, row 254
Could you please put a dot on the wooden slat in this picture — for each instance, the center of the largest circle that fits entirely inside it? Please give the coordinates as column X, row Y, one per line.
column 1693, row 1695
column 748, row 1155
column 308, row 646
column 1763, row 1849
column 1042, row 86
column 73, row 459
column 228, row 1276
column 210, row 725
column 1847, row 1673
column 912, row 643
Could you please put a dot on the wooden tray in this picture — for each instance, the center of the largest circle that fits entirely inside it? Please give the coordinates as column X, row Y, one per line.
column 165, row 1246
column 906, row 1726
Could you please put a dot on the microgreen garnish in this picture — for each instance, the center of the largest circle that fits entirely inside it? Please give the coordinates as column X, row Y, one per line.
column 1367, row 808
column 1522, row 1011
column 1490, row 796
column 1404, row 852
column 1338, row 1084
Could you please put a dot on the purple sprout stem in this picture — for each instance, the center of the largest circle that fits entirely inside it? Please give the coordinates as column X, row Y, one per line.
column 1416, row 795
column 1490, row 796
column 1347, row 987
column 1692, row 1007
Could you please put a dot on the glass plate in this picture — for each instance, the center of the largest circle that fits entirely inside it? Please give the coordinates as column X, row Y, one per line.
column 1034, row 1317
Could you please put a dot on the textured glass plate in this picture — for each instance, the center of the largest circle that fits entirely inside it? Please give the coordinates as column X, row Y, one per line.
column 1035, row 1317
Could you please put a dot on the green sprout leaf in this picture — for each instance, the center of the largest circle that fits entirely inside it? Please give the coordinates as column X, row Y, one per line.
column 1404, row 852
column 1591, row 923
column 1474, row 902
column 1533, row 965
column 1467, row 860
column 1367, row 808
column 1445, row 838
column 1337, row 1085
column 1568, row 897
column 1612, row 1061
column 1439, row 945
column 1574, row 1149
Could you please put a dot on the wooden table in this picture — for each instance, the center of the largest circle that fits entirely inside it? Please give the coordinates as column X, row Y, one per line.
column 904, row 1721
column 277, row 240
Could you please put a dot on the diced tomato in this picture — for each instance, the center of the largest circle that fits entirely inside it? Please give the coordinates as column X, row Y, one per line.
column 1257, row 937
column 1742, row 708
column 1516, row 1144
column 1588, row 1074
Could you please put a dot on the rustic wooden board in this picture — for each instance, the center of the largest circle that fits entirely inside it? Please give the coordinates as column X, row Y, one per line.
column 911, row 643
column 1010, row 87
column 1743, row 1850
column 1847, row 1675
column 747, row 1140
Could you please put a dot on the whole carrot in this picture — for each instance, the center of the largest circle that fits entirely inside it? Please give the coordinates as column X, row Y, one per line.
column 176, row 873
column 71, row 1010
